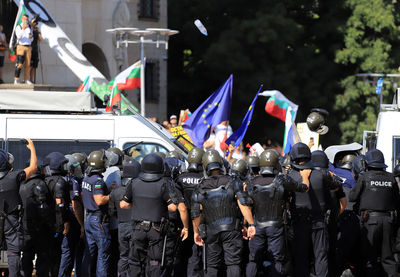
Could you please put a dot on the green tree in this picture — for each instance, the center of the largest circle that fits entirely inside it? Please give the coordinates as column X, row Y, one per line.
column 371, row 37
column 286, row 45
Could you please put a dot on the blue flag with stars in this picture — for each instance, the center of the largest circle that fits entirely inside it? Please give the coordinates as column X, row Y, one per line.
column 213, row 111
column 237, row 137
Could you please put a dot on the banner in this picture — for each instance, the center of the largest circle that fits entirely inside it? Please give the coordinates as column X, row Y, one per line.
column 60, row 43
column 183, row 137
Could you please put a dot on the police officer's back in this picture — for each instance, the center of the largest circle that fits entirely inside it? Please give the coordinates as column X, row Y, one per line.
column 310, row 211
column 148, row 197
column 10, row 203
column 218, row 196
column 269, row 193
column 95, row 196
column 130, row 171
column 38, row 221
column 377, row 193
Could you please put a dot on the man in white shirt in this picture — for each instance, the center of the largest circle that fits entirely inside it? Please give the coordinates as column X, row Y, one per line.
column 222, row 132
column 24, row 37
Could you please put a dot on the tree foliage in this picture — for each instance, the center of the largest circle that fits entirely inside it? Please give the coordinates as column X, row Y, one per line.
column 371, row 35
column 286, row 45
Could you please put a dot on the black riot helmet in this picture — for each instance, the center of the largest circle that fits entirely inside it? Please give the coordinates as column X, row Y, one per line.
column 359, row 166
column 43, row 168
column 239, row 169
column 175, row 166
column 152, row 168
column 6, row 160
column 57, row 162
column 212, row 161
column 175, row 154
column 96, row 162
column 347, row 161
column 195, row 157
column 375, row 159
column 320, row 159
column 130, row 169
column 269, row 162
column 300, row 156
column 118, row 152
column 316, row 121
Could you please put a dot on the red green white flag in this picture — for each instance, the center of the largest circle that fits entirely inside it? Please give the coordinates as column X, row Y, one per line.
column 277, row 104
column 127, row 79
column 18, row 20
column 85, row 86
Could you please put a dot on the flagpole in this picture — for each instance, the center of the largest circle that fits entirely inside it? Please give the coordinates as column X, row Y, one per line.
column 142, row 96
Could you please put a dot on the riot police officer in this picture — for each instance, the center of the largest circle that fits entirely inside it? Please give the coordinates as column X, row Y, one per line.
column 95, row 196
column 59, row 188
column 10, row 204
column 254, row 165
column 149, row 198
column 38, row 222
column 240, row 169
column 188, row 181
column 377, row 194
column 269, row 193
column 72, row 246
column 310, row 212
column 130, row 171
column 217, row 199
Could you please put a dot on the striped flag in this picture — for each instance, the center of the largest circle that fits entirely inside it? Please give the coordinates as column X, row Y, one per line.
column 289, row 137
column 18, row 20
column 277, row 104
column 127, row 79
column 85, row 86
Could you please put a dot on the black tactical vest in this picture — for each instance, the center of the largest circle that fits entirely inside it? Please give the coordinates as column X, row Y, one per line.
column 147, row 200
column 189, row 181
column 379, row 191
column 220, row 209
column 269, row 201
column 124, row 215
column 9, row 192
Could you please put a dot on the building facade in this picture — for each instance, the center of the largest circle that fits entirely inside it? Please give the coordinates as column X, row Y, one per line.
column 85, row 22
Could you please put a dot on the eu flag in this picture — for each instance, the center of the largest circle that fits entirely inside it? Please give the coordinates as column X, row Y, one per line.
column 213, row 111
column 237, row 137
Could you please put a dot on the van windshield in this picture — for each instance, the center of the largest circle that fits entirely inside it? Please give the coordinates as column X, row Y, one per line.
column 43, row 148
column 138, row 150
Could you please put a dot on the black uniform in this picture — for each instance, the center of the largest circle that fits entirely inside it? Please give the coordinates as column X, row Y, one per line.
column 269, row 196
column 150, row 200
column 188, row 181
column 377, row 194
column 217, row 196
column 12, row 230
column 38, row 222
column 309, row 222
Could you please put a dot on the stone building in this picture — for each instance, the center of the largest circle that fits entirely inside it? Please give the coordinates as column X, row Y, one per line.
column 85, row 23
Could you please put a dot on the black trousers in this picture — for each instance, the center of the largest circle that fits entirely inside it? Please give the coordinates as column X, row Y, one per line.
column 36, row 243
column 125, row 243
column 376, row 246
column 146, row 251
column 306, row 234
column 13, row 233
column 224, row 247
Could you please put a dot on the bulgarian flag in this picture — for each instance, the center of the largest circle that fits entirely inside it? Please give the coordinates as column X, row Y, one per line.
column 18, row 20
column 85, row 86
column 127, row 79
column 277, row 104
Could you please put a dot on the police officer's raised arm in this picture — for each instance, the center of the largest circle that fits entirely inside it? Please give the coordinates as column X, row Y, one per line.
column 33, row 161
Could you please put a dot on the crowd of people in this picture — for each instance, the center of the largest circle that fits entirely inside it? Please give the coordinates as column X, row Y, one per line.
column 106, row 214
column 26, row 46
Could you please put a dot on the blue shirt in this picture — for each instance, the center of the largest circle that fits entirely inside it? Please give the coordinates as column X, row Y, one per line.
column 344, row 174
column 93, row 185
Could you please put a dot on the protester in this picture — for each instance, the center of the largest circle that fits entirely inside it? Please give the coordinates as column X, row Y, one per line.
column 37, row 37
column 222, row 132
column 173, row 120
column 3, row 47
column 24, row 37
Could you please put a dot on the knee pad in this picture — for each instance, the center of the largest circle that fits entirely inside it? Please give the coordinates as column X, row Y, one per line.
column 20, row 61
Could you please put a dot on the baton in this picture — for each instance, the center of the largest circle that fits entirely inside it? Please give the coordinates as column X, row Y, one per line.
column 163, row 251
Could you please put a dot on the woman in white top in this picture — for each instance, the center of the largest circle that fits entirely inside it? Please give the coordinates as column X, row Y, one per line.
column 3, row 47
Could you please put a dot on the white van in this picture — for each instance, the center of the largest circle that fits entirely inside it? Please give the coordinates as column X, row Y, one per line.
column 72, row 132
